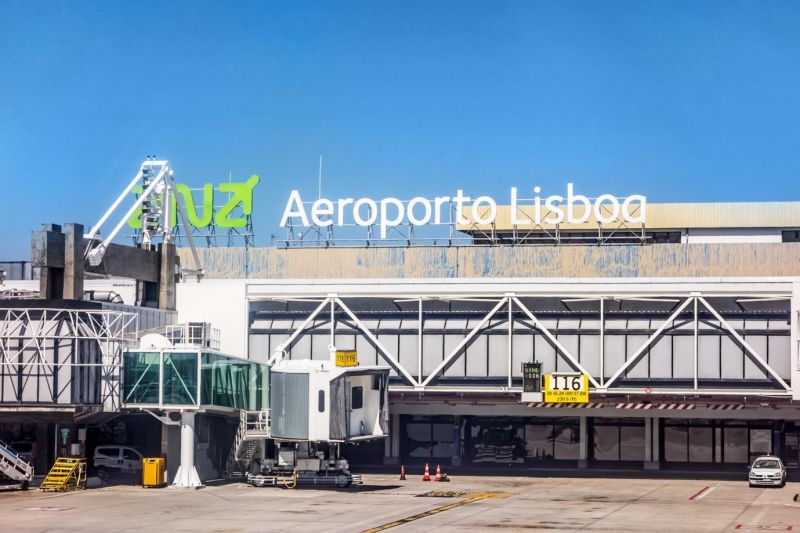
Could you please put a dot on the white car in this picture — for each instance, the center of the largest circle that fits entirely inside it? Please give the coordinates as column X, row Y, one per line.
column 767, row 470
column 116, row 458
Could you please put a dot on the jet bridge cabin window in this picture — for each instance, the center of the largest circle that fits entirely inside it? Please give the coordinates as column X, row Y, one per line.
column 357, row 400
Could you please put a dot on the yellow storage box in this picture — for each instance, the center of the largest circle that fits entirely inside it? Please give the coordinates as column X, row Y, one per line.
column 154, row 472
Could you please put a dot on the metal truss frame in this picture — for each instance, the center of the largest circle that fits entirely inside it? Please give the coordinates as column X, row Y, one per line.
column 32, row 337
column 614, row 385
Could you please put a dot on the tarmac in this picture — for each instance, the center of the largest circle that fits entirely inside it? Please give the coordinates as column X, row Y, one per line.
column 383, row 503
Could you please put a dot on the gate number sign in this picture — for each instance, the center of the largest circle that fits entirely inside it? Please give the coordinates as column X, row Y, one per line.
column 566, row 388
column 346, row 358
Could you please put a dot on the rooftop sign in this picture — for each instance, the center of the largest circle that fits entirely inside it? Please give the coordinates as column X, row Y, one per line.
column 419, row 211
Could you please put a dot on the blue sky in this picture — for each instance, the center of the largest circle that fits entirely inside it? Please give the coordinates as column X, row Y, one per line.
column 677, row 100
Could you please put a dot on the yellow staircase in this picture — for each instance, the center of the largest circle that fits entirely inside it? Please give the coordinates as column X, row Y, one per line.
column 68, row 473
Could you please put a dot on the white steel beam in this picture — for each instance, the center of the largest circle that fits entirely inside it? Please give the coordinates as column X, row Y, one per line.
column 454, row 353
column 638, row 353
column 280, row 349
column 385, row 354
column 748, row 349
column 696, row 341
column 602, row 341
column 554, row 341
column 510, row 340
column 419, row 341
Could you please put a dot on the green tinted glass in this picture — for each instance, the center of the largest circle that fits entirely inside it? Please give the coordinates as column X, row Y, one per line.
column 140, row 378
column 180, row 378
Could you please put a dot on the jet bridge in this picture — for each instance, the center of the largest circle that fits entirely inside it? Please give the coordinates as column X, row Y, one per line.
column 306, row 408
column 315, row 407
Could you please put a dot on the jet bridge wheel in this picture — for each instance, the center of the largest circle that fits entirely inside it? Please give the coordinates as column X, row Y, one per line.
column 343, row 480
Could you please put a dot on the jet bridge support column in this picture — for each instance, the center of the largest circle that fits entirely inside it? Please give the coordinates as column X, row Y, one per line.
column 187, row 473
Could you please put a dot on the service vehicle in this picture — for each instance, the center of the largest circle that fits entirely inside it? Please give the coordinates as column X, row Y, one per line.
column 113, row 458
column 767, row 470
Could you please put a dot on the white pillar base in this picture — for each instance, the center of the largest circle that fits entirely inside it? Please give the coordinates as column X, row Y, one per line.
column 187, row 478
column 187, row 473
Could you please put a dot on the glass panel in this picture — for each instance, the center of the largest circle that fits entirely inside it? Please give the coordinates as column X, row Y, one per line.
column 606, row 443
column 538, row 444
column 498, row 440
column 140, row 378
column 700, row 448
column 419, row 439
column 180, row 378
column 537, row 441
column 735, row 445
column 631, row 443
column 566, row 440
column 675, row 443
column 442, row 440
column 233, row 382
column 760, row 442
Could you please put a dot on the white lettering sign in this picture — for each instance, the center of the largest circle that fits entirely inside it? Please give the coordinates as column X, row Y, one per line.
column 392, row 212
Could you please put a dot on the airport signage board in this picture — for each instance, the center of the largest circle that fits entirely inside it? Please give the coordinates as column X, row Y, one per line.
column 226, row 205
column 391, row 212
column 566, row 388
column 532, row 377
column 346, row 358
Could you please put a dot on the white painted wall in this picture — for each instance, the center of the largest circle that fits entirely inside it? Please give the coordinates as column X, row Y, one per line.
column 223, row 303
column 732, row 235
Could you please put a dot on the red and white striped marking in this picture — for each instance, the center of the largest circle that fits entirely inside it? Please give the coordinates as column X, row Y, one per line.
column 639, row 406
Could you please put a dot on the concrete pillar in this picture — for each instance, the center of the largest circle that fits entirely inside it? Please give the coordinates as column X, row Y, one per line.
column 166, row 285
column 583, row 443
column 47, row 252
column 391, row 450
column 187, row 473
column 652, row 441
column 73, row 261
column 456, row 459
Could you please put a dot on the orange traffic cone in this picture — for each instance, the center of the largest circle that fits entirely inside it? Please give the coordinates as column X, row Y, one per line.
column 438, row 474
column 402, row 473
column 427, row 476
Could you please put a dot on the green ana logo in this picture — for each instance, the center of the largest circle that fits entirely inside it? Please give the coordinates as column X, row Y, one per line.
column 227, row 216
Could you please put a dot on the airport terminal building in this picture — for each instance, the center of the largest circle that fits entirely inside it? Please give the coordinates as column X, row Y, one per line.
column 688, row 327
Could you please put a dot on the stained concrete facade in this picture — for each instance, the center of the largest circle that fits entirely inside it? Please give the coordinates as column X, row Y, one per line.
column 624, row 261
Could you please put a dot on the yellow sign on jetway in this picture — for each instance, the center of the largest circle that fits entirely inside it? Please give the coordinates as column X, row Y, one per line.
column 566, row 388
column 348, row 358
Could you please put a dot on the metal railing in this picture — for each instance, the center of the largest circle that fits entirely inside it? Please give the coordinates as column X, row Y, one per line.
column 195, row 334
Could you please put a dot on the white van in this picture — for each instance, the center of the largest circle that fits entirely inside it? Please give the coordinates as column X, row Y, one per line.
column 108, row 458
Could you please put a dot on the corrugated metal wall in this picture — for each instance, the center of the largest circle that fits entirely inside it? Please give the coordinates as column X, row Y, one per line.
column 658, row 260
column 289, row 405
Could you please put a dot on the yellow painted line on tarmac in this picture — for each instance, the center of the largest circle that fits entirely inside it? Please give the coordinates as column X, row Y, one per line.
column 474, row 497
